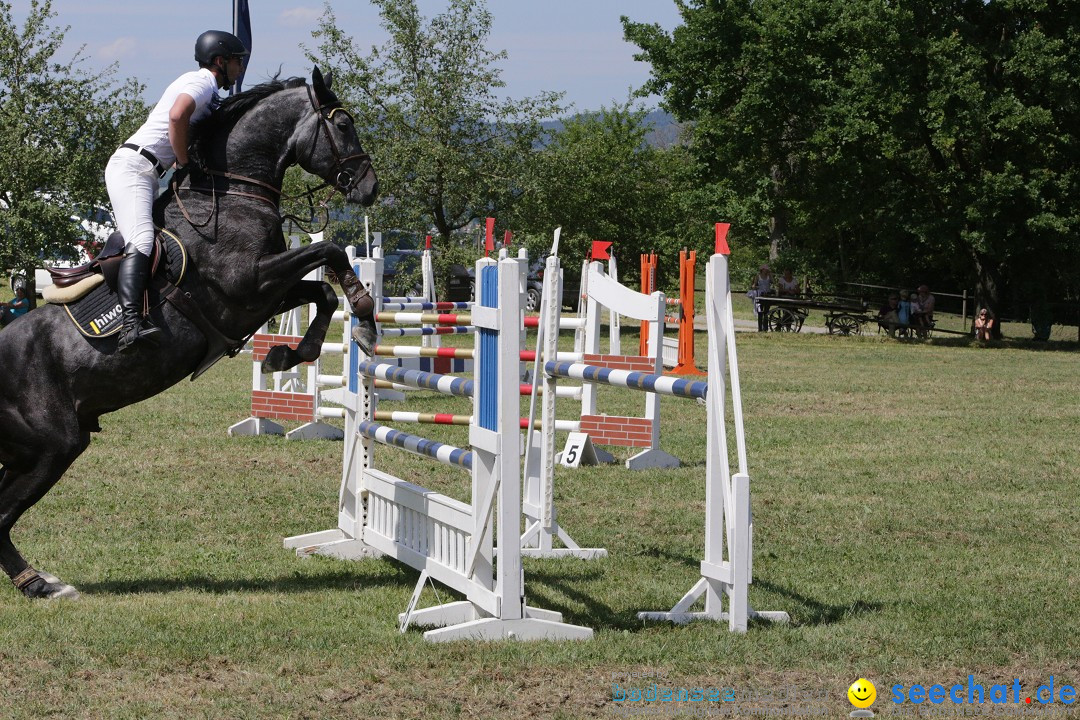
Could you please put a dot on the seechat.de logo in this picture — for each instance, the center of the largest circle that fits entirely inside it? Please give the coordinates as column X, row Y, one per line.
column 862, row 695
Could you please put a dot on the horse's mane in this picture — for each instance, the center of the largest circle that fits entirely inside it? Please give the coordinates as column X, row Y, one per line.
column 225, row 116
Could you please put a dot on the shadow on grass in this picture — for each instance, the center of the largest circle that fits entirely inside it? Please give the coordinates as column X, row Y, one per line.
column 1004, row 344
column 353, row 578
column 684, row 559
column 570, row 583
column 812, row 612
column 575, row 583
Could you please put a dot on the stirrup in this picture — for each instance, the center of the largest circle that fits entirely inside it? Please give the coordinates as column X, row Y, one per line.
column 144, row 331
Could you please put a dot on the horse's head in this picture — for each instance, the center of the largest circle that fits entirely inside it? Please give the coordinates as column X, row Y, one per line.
column 331, row 148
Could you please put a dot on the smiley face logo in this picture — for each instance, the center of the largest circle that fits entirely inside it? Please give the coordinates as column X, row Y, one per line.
column 862, row 693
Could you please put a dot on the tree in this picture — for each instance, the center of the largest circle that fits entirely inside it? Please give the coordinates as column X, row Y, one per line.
column 598, row 179
column 930, row 139
column 448, row 151
column 58, row 127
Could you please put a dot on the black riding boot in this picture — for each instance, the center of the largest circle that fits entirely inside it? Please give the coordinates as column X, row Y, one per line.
column 130, row 285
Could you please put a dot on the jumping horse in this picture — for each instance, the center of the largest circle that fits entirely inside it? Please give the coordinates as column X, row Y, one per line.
column 56, row 382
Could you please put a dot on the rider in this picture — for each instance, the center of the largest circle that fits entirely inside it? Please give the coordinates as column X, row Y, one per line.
column 134, row 170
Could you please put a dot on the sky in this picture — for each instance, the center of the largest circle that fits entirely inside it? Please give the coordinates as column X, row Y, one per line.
column 571, row 46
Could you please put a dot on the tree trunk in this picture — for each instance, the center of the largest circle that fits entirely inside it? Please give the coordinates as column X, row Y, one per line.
column 778, row 221
column 777, row 231
column 842, row 254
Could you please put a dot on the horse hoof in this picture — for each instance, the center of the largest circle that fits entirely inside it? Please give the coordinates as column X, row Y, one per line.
column 49, row 587
column 365, row 335
column 66, row 592
column 277, row 359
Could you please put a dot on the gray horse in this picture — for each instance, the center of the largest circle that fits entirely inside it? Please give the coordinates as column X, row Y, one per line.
column 56, row 382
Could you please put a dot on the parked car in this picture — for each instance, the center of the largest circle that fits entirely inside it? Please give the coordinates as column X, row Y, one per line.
column 97, row 226
column 571, row 295
column 461, row 286
column 401, row 273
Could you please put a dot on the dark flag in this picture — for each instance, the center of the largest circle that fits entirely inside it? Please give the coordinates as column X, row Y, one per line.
column 242, row 30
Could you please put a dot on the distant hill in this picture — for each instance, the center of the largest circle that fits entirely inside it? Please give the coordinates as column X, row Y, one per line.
column 664, row 132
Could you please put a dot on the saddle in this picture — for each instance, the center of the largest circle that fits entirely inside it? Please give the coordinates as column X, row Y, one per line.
column 71, row 284
column 88, row 294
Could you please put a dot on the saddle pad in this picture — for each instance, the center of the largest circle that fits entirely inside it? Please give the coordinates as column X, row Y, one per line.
column 59, row 296
column 98, row 313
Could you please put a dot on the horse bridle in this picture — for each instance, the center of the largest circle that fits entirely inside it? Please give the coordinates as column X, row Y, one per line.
column 345, row 178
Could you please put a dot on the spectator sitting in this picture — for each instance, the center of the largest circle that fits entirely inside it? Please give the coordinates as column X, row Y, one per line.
column 889, row 314
column 922, row 310
column 788, row 286
column 18, row 306
column 984, row 325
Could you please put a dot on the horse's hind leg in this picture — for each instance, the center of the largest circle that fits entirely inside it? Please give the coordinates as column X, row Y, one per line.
column 22, row 484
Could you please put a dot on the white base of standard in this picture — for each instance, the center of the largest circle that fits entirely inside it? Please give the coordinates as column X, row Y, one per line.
column 315, row 431
column 461, row 621
column 255, row 426
column 330, row 543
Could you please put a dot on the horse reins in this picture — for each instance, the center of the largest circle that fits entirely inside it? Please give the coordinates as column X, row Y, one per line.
column 345, row 179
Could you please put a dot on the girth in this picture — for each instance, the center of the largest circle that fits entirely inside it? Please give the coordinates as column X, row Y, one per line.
column 218, row 345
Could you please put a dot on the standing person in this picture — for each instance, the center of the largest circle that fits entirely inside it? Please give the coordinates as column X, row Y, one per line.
column 135, row 169
column 762, row 285
column 19, row 305
column 984, row 325
column 903, row 311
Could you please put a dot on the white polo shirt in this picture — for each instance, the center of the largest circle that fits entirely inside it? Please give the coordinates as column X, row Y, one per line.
column 201, row 86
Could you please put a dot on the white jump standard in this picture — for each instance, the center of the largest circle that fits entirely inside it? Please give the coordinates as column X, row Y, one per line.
column 445, row 539
column 727, row 497
column 728, row 520
column 542, row 527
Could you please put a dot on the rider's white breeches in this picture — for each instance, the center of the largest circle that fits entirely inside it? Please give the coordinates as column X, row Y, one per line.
column 132, row 182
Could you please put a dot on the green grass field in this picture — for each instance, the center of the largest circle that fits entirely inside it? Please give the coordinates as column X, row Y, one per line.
column 915, row 514
column 914, row 507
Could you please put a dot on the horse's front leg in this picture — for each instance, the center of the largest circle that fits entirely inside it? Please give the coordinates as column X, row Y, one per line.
column 283, row 357
column 292, row 265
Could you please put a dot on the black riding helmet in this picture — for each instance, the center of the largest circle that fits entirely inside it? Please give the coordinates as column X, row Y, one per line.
column 217, row 42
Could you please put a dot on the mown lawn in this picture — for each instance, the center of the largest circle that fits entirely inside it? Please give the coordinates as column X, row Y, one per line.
column 915, row 513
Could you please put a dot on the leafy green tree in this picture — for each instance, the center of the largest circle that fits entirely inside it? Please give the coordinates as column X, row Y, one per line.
column 903, row 141
column 58, row 127
column 448, row 151
column 598, row 179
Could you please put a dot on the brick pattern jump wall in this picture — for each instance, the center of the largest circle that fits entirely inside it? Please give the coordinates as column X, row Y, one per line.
column 614, row 429
column 440, row 366
column 634, row 363
column 282, row 405
column 274, row 403
column 261, row 344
